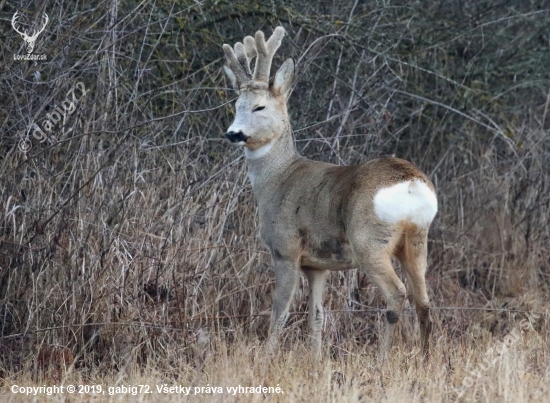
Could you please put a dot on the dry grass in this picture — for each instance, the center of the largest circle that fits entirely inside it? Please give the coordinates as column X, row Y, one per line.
column 128, row 239
column 456, row 372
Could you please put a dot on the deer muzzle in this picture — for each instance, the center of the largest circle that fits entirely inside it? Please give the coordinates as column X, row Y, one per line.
column 236, row 137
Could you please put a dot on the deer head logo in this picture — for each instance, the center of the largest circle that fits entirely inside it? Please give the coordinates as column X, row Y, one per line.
column 29, row 39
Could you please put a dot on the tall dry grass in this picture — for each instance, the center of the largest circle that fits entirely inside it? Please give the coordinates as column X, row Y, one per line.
column 129, row 237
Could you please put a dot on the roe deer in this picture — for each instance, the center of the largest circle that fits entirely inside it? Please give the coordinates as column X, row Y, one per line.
column 316, row 216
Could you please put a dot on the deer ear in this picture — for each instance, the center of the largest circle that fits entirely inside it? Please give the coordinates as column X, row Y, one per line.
column 283, row 78
column 232, row 77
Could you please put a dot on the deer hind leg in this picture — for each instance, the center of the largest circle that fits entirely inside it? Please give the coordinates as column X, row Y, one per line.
column 376, row 262
column 287, row 275
column 412, row 253
column 316, row 315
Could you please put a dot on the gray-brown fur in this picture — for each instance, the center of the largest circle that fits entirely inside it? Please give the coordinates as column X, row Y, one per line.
column 315, row 216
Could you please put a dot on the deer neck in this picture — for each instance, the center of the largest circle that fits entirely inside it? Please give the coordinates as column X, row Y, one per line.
column 269, row 163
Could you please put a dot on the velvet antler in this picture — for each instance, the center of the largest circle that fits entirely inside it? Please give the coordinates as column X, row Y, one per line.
column 238, row 58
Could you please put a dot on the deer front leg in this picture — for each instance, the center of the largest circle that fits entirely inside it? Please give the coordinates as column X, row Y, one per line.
column 316, row 313
column 287, row 275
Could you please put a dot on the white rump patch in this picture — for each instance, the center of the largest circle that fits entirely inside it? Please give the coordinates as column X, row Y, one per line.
column 258, row 152
column 411, row 201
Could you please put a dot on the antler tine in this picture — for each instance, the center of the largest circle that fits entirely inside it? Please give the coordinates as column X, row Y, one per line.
column 45, row 22
column 250, row 47
column 242, row 58
column 39, row 31
column 13, row 21
column 265, row 52
column 234, row 60
column 238, row 58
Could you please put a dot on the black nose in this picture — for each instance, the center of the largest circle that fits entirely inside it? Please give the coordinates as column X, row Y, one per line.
column 235, row 137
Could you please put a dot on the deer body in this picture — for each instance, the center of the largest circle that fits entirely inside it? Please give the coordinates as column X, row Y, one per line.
column 315, row 216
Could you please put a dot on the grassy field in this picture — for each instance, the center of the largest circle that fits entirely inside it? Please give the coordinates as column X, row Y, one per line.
column 475, row 367
column 129, row 245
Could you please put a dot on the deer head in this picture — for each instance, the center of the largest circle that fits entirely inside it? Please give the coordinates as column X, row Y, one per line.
column 261, row 111
column 29, row 39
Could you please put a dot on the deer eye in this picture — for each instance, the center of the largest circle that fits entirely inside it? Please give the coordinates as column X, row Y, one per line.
column 258, row 108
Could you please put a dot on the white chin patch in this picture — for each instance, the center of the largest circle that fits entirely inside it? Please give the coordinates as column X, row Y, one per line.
column 411, row 201
column 259, row 152
column 240, row 143
column 251, row 177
